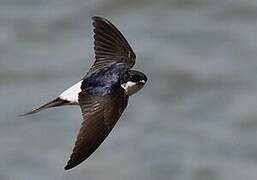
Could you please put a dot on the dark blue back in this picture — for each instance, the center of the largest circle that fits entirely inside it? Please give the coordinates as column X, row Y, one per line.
column 105, row 81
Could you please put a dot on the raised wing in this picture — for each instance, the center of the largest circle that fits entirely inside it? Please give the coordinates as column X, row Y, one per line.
column 100, row 114
column 110, row 45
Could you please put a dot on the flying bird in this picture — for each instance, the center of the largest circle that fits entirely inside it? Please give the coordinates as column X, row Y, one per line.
column 104, row 91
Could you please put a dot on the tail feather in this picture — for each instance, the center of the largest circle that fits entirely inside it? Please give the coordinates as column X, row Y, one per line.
column 55, row 103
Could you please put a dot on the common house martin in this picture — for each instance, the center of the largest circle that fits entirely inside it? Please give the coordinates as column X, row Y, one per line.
column 104, row 91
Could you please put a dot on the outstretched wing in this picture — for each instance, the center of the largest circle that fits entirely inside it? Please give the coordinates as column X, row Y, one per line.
column 100, row 114
column 110, row 45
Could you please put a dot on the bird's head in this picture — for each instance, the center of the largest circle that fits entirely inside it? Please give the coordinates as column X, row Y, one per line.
column 132, row 81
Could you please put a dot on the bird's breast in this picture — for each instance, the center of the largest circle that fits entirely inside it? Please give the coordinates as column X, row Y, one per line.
column 131, row 87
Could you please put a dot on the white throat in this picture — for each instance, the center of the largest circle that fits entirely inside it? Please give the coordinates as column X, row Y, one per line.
column 72, row 93
column 131, row 87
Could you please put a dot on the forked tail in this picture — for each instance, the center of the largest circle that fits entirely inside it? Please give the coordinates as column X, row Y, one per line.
column 55, row 103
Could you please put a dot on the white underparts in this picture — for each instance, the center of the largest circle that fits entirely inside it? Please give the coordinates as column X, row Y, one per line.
column 72, row 93
column 131, row 87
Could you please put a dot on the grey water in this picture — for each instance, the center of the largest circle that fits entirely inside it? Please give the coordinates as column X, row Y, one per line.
column 196, row 119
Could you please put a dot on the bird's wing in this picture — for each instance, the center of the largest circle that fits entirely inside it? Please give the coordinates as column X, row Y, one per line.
column 110, row 45
column 100, row 114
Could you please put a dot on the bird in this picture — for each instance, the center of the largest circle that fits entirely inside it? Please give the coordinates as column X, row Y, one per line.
column 103, row 92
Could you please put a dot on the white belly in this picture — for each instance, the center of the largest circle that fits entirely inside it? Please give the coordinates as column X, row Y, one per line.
column 72, row 93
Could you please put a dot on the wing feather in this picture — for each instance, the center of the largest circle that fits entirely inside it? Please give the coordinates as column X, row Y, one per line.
column 110, row 45
column 100, row 114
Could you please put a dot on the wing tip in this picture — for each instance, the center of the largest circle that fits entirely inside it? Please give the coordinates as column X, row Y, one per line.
column 99, row 18
column 73, row 163
column 68, row 167
column 70, row 164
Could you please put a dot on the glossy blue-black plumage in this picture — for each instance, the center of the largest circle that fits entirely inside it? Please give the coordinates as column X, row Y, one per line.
column 105, row 81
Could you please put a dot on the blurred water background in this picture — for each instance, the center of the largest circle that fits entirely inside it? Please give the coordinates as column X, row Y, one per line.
column 196, row 119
